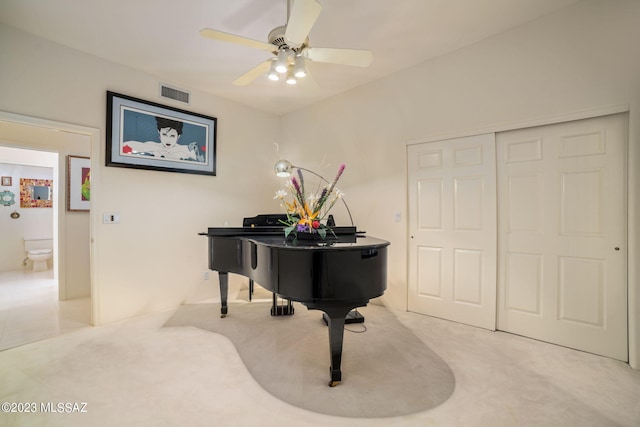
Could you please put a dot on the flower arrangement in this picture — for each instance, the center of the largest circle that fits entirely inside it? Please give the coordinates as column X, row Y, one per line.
column 305, row 212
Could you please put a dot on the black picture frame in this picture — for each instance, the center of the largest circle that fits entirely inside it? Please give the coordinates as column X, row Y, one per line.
column 147, row 135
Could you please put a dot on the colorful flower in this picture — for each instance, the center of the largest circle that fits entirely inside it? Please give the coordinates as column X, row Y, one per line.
column 305, row 213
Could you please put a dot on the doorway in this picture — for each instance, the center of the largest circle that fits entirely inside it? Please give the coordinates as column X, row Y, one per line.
column 72, row 234
column 20, row 165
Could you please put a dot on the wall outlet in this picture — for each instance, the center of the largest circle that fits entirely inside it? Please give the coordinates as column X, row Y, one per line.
column 205, row 276
column 397, row 217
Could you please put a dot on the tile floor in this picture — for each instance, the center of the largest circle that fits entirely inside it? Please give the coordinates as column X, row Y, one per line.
column 139, row 373
column 30, row 310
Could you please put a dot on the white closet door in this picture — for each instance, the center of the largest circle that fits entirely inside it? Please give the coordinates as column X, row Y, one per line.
column 562, row 227
column 452, row 221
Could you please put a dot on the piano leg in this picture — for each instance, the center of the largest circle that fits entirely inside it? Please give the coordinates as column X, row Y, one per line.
column 336, row 337
column 223, row 277
column 335, row 321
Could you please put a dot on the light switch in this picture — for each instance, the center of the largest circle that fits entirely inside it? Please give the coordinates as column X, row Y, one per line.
column 111, row 218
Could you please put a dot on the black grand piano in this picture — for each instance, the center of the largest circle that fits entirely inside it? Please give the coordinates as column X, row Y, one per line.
column 334, row 275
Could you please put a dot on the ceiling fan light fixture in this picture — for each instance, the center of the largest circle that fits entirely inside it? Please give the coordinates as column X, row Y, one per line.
column 291, row 79
column 282, row 61
column 299, row 69
column 273, row 74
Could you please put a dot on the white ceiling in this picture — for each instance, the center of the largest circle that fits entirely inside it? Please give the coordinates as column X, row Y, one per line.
column 162, row 37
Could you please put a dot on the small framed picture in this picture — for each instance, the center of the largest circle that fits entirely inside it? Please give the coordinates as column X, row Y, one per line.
column 6, row 181
column 78, row 183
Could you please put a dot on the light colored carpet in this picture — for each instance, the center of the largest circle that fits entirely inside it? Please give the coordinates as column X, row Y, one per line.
column 386, row 370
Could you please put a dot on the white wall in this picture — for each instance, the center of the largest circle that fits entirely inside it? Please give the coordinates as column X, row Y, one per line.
column 153, row 259
column 579, row 61
column 32, row 221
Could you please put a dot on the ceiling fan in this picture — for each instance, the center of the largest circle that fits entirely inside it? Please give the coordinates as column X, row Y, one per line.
column 290, row 46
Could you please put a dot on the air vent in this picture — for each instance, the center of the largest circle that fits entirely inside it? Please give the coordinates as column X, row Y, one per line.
column 173, row 93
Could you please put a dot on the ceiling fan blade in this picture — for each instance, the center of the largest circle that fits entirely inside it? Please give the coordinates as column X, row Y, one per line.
column 253, row 73
column 355, row 57
column 302, row 16
column 231, row 38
